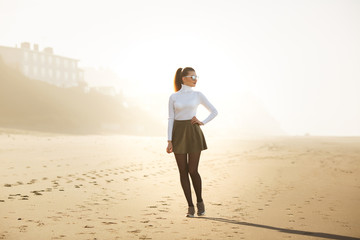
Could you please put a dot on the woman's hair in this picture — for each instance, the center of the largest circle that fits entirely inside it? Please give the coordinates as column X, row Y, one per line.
column 178, row 77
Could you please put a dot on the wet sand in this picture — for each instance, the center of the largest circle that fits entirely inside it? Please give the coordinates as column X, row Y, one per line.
column 124, row 187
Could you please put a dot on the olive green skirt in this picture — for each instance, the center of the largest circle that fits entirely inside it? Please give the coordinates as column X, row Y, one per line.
column 187, row 137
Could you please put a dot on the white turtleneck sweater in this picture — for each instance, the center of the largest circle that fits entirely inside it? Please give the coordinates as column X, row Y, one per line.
column 183, row 105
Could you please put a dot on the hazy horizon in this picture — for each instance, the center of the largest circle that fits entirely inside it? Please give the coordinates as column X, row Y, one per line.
column 289, row 65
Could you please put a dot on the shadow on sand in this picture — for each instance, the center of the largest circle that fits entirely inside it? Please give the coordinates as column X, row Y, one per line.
column 284, row 230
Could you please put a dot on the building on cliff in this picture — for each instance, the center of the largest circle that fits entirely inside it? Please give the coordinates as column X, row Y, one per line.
column 43, row 65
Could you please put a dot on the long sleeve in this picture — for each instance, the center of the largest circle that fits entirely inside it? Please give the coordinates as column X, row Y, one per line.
column 171, row 118
column 209, row 107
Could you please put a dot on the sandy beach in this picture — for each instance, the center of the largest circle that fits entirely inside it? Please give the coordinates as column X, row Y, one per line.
column 124, row 187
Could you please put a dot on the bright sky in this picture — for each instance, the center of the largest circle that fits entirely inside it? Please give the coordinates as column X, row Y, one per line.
column 300, row 59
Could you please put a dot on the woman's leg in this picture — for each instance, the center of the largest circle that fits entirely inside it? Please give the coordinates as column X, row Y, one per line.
column 181, row 160
column 194, row 159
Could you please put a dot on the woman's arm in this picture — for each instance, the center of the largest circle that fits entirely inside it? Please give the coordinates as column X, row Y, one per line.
column 205, row 102
column 171, row 118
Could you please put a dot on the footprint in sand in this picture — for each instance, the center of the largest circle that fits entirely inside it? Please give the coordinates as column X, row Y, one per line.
column 144, row 237
column 216, row 204
column 23, row 228
column 24, row 197
column 11, row 196
column 109, row 223
column 37, row 192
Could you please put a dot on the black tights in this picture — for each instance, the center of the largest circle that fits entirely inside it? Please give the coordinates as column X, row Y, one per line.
column 188, row 164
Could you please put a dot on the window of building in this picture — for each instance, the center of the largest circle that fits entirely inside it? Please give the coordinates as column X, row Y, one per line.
column 57, row 61
column 42, row 58
column 34, row 57
column 43, row 72
column 26, row 70
column 49, row 59
column 65, row 63
column 74, row 76
column 66, row 75
column 50, row 72
column 26, row 56
column 35, row 70
column 57, row 74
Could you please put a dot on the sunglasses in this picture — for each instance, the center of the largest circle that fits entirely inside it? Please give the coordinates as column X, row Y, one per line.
column 193, row 77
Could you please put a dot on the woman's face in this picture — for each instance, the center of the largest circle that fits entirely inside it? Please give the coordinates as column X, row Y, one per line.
column 188, row 81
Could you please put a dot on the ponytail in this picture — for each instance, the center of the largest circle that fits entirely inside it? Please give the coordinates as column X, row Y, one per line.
column 178, row 77
column 177, row 80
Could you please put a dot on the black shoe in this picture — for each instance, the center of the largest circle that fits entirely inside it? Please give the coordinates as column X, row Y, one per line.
column 201, row 208
column 191, row 212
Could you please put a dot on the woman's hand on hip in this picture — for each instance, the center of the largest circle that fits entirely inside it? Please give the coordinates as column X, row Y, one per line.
column 194, row 120
column 169, row 148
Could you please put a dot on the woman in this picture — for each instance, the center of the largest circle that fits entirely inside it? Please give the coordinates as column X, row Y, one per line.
column 185, row 138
